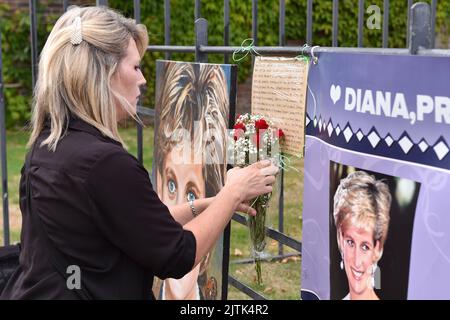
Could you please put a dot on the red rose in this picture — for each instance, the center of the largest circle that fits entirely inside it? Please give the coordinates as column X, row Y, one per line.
column 280, row 134
column 238, row 126
column 261, row 124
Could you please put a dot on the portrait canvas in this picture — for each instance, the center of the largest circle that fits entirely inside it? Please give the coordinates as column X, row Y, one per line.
column 193, row 107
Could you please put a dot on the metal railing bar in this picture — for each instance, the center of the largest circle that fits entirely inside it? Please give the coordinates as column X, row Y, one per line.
column 420, row 27
column 361, row 11
column 226, row 27
column 244, row 288
column 385, row 23
column 297, row 50
column 167, row 48
column 255, row 21
column 433, row 22
column 282, row 24
column 273, row 50
column 201, row 39
column 281, row 212
column 34, row 49
column 65, row 5
column 309, row 22
column 408, row 23
column 335, row 23
column 3, row 158
column 198, row 9
column 293, row 50
column 167, row 54
column 254, row 25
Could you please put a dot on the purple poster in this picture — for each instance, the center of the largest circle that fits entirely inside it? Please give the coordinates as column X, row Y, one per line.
column 376, row 219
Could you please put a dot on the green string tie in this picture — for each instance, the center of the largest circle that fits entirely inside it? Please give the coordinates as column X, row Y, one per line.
column 245, row 49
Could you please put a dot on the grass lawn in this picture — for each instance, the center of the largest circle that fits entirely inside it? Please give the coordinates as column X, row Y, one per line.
column 274, row 287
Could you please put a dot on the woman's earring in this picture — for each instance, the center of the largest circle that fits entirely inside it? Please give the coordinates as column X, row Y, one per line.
column 342, row 262
column 376, row 276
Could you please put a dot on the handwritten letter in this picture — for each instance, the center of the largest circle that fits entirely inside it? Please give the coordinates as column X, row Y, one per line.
column 279, row 93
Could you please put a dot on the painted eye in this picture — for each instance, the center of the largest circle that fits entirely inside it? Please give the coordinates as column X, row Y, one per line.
column 171, row 186
column 191, row 196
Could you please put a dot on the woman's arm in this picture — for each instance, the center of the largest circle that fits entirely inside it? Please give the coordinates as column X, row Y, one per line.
column 182, row 213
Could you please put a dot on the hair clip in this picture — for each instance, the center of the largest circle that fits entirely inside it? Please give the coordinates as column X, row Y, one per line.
column 76, row 36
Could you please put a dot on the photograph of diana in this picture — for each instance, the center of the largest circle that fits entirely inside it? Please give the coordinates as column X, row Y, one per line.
column 371, row 223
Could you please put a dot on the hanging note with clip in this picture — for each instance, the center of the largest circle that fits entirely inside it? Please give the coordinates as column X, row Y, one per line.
column 279, row 93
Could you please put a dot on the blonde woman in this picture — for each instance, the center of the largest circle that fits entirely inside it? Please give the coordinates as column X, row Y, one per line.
column 192, row 114
column 361, row 215
column 91, row 200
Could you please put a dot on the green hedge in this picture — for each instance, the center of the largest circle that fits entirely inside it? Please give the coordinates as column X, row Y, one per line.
column 16, row 51
column 16, row 64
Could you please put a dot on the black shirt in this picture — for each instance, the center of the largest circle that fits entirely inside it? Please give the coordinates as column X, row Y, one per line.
column 99, row 209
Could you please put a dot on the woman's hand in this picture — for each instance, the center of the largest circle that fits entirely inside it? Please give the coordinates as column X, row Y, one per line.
column 252, row 181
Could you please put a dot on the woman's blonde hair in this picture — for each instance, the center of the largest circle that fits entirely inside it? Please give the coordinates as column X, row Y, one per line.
column 75, row 77
column 364, row 202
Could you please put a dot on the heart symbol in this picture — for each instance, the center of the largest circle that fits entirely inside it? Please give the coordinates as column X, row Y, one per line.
column 335, row 93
